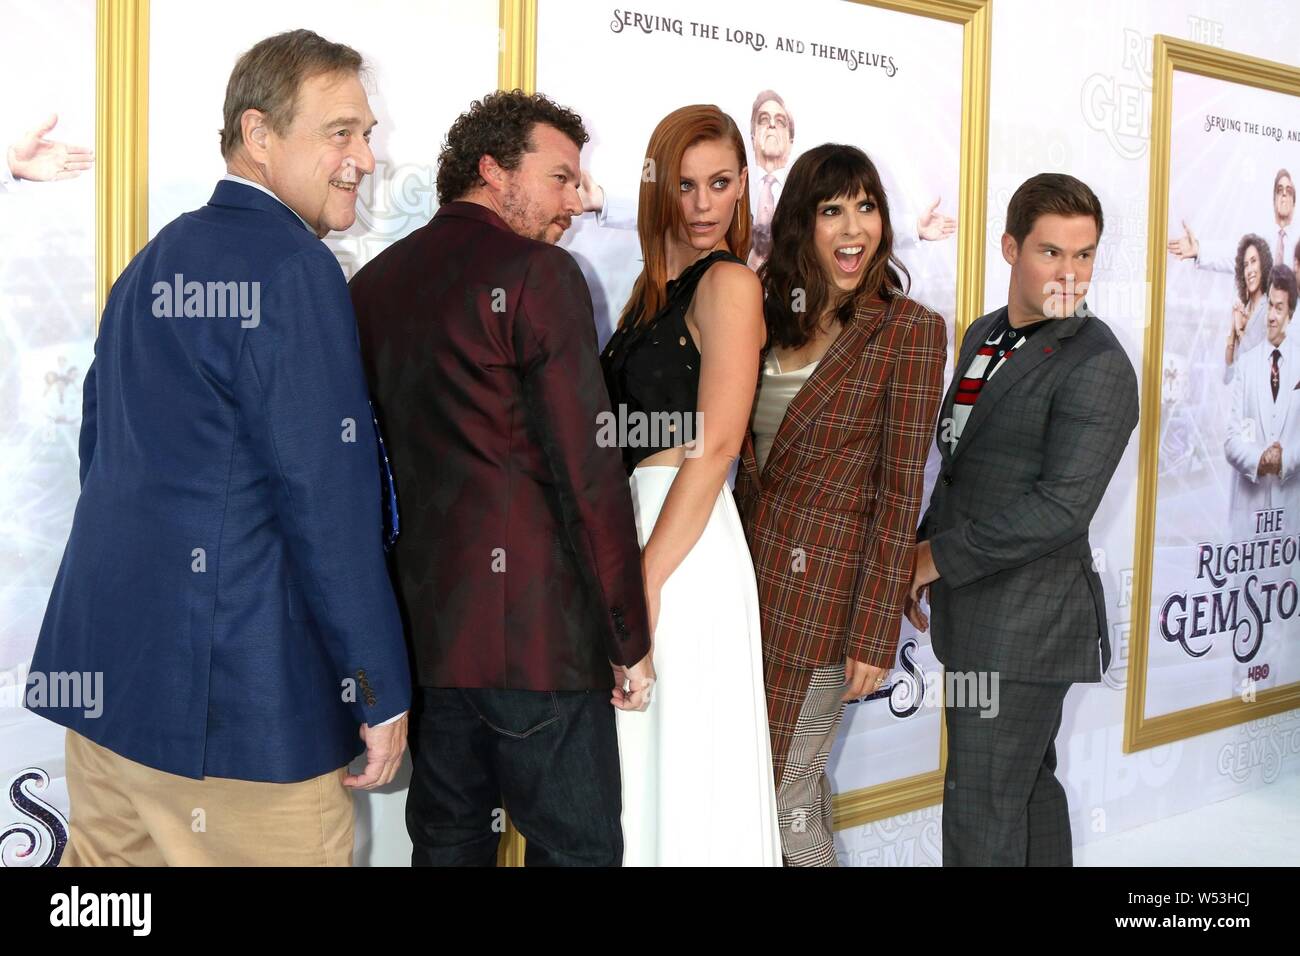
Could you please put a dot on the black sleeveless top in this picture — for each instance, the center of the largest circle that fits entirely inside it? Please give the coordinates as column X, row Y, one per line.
column 652, row 372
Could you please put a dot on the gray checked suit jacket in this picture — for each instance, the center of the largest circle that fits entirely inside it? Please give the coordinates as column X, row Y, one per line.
column 1008, row 519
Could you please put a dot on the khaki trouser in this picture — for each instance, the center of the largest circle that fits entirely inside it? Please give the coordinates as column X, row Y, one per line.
column 126, row 814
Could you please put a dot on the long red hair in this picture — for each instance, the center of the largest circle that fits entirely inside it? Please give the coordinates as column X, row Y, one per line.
column 659, row 208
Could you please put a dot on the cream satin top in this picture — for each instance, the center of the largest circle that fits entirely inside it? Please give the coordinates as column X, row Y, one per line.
column 776, row 391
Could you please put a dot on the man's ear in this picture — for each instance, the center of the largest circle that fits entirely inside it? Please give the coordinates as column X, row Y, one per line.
column 254, row 129
column 490, row 171
column 1010, row 248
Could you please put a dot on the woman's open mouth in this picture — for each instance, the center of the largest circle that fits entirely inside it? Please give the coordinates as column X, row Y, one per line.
column 849, row 258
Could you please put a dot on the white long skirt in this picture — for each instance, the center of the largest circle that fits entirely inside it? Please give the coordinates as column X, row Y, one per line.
column 697, row 764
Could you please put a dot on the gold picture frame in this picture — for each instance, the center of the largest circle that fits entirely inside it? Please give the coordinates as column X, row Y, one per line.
column 1140, row 731
column 518, row 70
column 121, row 139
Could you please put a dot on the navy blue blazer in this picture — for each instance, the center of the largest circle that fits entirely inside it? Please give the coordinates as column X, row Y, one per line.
column 225, row 570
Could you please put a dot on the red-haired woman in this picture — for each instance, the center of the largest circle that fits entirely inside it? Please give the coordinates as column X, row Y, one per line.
column 681, row 371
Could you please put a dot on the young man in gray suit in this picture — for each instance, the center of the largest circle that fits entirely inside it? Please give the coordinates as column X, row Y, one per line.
column 1038, row 415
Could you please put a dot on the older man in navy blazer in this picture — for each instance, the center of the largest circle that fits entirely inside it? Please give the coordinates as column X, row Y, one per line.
column 225, row 572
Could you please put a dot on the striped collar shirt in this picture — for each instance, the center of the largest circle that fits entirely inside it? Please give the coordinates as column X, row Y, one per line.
column 1002, row 343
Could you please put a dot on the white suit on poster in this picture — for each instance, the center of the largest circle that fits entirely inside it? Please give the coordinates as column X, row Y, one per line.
column 1258, row 420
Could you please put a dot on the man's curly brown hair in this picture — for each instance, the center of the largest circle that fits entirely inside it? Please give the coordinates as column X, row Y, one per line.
column 499, row 125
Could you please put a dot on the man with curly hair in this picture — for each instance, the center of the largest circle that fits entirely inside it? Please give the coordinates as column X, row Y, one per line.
column 518, row 568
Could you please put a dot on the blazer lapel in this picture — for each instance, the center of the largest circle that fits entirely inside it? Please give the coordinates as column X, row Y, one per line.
column 825, row 380
column 1028, row 357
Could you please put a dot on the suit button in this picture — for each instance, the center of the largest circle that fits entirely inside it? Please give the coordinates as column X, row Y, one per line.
column 947, row 479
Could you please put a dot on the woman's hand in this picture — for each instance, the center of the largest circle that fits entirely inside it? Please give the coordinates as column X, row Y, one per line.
column 1240, row 318
column 861, row 679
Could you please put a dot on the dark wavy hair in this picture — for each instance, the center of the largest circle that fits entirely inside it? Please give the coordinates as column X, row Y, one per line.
column 1239, row 267
column 827, row 172
column 499, row 125
column 1283, row 279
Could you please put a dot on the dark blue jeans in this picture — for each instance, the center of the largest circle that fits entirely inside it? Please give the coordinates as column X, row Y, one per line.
column 549, row 757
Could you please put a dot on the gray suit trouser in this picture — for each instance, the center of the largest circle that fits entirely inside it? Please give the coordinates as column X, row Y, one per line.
column 1002, row 803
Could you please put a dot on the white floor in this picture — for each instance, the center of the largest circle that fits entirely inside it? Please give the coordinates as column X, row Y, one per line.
column 1258, row 828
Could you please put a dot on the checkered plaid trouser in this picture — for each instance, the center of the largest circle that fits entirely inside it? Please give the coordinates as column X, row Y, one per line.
column 803, row 800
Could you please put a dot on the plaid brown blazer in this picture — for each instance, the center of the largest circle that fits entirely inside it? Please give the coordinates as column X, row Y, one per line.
column 831, row 521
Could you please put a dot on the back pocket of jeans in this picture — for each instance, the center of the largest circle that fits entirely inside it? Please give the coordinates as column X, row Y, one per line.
column 514, row 713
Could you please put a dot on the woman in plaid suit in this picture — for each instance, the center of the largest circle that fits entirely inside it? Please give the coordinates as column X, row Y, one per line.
column 831, row 473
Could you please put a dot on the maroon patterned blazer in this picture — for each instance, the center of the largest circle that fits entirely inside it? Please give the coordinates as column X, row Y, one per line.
column 518, row 564
column 831, row 521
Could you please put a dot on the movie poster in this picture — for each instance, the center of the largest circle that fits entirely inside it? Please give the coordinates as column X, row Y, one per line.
column 1224, row 598
column 792, row 77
